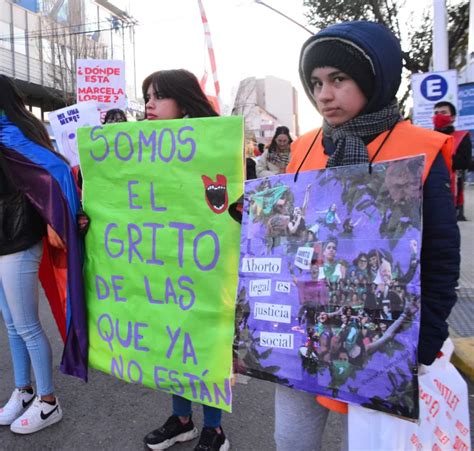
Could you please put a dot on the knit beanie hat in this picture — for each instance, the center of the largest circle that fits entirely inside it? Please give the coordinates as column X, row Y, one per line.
column 329, row 52
column 366, row 51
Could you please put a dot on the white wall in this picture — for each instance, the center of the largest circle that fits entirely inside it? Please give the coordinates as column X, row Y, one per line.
column 279, row 100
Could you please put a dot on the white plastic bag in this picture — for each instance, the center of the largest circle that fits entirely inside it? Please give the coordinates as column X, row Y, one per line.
column 444, row 415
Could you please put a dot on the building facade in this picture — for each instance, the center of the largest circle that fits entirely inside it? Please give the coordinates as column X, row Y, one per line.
column 40, row 41
column 265, row 104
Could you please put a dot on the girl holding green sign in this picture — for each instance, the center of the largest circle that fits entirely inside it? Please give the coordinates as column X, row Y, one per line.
column 176, row 94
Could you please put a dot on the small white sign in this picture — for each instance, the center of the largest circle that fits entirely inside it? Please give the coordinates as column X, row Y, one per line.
column 275, row 313
column 66, row 121
column 262, row 265
column 430, row 88
column 275, row 340
column 102, row 81
column 283, row 287
column 303, row 257
column 260, row 287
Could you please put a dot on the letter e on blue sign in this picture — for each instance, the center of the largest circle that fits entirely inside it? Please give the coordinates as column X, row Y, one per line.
column 434, row 87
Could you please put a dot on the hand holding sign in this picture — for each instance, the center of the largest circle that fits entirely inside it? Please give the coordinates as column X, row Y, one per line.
column 161, row 257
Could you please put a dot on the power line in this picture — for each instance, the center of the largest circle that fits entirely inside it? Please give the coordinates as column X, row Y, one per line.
column 39, row 33
column 260, row 2
column 28, row 36
column 59, row 28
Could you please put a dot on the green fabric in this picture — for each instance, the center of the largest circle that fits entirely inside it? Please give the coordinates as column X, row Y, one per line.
column 268, row 198
column 154, row 316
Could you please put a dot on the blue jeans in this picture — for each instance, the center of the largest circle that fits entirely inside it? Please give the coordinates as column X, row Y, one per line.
column 19, row 299
column 182, row 408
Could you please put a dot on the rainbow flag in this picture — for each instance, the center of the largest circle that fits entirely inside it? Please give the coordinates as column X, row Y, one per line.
column 48, row 183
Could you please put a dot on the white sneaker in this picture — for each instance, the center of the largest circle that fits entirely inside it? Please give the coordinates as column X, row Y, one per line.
column 39, row 416
column 16, row 405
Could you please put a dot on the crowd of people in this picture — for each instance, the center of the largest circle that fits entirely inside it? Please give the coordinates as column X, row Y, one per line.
column 349, row 336
column 354, row 307
column 351, row 73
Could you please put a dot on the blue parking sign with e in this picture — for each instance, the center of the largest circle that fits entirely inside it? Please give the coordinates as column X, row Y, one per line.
column 434, row 87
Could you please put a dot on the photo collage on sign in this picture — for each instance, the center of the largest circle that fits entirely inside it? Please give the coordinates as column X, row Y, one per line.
column 328, row 297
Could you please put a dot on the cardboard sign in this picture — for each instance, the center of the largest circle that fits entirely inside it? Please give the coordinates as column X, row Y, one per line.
column 66, row 121
column 101, row 81
column 162, row 252
column 329, row 285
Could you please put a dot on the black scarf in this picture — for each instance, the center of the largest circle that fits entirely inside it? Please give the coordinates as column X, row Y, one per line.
column 348, row 138
column 448, row 130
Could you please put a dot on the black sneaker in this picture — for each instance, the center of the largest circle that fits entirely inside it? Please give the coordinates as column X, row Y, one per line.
column 211, row 440
column 171, row 432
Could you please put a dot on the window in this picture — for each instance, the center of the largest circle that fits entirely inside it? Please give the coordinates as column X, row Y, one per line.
column 32, row 5
column 19, row 39
column 5, row 37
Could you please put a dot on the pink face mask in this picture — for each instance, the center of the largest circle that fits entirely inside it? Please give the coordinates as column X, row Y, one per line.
column 442, row 120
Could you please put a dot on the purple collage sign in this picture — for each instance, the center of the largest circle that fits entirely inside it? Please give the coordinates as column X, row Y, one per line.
column 328, row 299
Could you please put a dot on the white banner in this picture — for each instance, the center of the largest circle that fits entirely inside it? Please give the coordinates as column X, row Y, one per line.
column 66, row 121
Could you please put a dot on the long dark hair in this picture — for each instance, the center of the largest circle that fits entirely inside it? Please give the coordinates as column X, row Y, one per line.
column 11, row 101
column 114, row 114
column 282, row 130
column 182, row 86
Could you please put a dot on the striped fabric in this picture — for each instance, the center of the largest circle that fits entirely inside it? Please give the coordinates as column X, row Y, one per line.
column 48, row 183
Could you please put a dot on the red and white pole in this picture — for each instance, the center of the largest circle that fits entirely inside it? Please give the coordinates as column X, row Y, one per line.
column 210, row 49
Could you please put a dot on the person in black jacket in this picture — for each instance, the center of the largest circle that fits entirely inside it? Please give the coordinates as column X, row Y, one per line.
column 21, row 231
column 443, row 120
column 351, row 72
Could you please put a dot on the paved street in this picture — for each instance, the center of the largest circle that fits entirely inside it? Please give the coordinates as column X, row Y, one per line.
column 112, row 415
column 108, row 414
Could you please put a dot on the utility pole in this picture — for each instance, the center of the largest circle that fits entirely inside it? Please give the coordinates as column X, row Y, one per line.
column 470, row 46
column 440, row 36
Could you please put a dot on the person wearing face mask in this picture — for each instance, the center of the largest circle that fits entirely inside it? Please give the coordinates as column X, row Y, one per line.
column 443, row 121
column 275, row 159
column 351, row 73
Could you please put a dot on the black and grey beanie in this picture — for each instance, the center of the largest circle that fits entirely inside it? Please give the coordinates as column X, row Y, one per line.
column 344, row 56
column 366, row 51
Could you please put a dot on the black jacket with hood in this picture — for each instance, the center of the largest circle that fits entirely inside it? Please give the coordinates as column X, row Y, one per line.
column 21, row 226
column 440, row 253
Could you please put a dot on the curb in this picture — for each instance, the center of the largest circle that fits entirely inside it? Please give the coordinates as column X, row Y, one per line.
column 463, row 355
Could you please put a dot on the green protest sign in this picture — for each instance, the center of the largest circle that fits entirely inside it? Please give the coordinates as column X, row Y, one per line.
column 162, row 252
